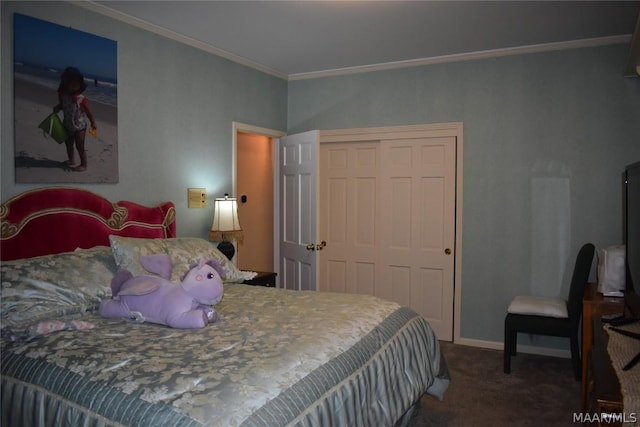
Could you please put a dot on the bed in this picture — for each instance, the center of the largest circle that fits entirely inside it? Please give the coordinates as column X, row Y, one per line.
column 274, row 357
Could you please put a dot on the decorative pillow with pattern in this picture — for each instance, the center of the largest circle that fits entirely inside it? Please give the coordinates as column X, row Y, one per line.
column 185, row 251
column 127, row 251
column 47, row 287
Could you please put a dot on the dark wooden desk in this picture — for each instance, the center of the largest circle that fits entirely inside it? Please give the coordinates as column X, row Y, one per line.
column 605, row 396
column 594, row 305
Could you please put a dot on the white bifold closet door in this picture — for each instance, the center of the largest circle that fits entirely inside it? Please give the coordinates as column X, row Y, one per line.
column 387, row 213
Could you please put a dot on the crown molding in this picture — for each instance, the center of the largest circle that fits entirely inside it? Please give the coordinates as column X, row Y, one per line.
column 156, row 29
column 633, row 63
column 470, row 56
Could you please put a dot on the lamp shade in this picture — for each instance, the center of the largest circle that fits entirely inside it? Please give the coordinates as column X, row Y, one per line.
column 225, row 224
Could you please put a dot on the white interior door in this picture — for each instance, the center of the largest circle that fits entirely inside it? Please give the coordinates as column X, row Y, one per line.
column 298, row 210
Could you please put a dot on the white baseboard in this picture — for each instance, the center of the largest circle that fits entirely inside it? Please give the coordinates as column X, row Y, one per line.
column 529, row 349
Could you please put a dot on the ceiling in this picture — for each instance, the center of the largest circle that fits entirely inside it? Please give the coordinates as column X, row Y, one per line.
column 304, row 38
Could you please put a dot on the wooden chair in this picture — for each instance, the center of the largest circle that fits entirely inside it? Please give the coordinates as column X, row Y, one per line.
column 550, row 316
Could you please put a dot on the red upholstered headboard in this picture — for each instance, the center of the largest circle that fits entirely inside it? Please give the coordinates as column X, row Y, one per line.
column 54, row 220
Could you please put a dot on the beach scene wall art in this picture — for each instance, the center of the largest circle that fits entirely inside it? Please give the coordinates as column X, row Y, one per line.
column 65, row 104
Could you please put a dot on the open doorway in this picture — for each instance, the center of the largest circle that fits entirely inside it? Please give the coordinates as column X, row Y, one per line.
column 255, row 201
column 254, row 152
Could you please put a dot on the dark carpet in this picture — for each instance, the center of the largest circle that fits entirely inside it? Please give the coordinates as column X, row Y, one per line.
column 539, row 391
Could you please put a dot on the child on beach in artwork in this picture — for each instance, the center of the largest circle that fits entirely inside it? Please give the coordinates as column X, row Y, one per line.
column 75, row 106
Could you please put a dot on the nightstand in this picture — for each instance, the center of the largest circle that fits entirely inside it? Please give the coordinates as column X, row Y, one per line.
column 264, row 278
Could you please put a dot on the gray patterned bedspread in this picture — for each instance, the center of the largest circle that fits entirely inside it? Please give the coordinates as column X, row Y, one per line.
column 274, row 358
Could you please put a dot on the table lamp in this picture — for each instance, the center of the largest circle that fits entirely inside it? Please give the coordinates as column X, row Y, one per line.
column 226, row 226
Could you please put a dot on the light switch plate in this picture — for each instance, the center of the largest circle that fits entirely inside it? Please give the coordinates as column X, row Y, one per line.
column 197, row 197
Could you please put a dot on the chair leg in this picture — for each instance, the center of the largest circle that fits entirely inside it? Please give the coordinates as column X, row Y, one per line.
column 575, row 358
column 510, row 339
column 506, row 353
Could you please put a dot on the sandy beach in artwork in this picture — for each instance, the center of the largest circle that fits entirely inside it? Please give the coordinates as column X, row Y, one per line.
column 39, row 159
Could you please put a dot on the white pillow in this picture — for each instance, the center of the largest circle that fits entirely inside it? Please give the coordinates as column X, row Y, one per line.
column 539, row 306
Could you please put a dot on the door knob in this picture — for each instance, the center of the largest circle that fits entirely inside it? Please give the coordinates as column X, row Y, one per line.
column 318, row 247
column 447, row 251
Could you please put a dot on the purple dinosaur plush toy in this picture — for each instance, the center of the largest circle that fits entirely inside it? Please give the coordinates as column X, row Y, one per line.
column 156, row 299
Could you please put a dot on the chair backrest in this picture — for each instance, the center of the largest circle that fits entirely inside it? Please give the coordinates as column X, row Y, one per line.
column 579, row 281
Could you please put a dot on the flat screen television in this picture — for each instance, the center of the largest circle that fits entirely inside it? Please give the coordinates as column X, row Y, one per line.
column 632, row 237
